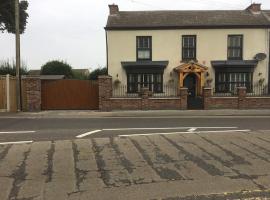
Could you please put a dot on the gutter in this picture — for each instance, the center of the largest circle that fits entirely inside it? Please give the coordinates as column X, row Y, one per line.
column 187, row 27
column 107, row 53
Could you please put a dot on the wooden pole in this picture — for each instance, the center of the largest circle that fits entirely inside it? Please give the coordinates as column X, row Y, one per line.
column 18, row 54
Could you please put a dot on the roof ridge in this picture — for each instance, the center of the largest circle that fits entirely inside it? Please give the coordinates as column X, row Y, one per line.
column 188, row 19
column 180, row 11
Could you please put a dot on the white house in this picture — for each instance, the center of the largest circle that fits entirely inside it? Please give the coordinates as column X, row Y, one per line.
column 218, row 48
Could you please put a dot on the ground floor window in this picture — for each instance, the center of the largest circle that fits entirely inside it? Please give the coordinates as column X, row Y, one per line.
column 137, row 81
column 228, row 82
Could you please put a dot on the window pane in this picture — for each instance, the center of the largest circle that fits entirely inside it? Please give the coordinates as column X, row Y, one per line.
column 191, row 42
column 189, row 47
column 185, row 42
column 235, row 47
column 140, row 42
column 144, row 54
column 233, row 80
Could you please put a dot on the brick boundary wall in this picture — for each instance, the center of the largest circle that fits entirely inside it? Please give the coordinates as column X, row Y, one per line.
column 145, row 101
column 31, row 94
column 241, row 101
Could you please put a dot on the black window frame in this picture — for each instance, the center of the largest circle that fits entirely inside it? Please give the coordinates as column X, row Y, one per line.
column 143, row 48
column 189, row 48
column 229, row 48
column 248, row 83
column 154, row 85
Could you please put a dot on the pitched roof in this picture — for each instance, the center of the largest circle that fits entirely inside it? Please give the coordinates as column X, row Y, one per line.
column 34, row 72
column 81, row 71
column 187, row 19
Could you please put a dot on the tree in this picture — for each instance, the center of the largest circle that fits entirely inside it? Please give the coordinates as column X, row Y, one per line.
column 56, row 67
column 7, row 67
column 97, row 72
column 7, row 15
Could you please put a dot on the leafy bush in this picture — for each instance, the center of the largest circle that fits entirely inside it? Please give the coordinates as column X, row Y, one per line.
column 97, row 72
column 56, row 67
column 79, row 76
column 9, row 67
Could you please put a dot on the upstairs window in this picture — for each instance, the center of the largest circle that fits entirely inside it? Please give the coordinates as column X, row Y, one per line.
column 189, row 47
column 235, row 47
column 144, row 48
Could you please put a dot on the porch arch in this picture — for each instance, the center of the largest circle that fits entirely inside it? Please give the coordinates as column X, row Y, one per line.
column 192, row 67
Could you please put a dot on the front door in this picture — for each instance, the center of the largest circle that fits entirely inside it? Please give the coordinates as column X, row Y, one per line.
column 194, row 101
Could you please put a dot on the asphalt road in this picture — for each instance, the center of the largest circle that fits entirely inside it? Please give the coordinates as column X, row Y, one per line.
column 48, row 129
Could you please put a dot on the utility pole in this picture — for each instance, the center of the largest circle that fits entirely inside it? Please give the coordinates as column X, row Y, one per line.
column 18, row 54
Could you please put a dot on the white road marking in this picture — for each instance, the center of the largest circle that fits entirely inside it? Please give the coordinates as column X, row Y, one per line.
column 88, row 133
column 147, row 134
column 19, row 142
column 192, row 129
column 166, row 128
column 13, row 132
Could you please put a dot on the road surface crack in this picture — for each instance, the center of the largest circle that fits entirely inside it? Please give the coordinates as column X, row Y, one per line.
column 210, row 169
column 5, row 152
column 163, row 172
column 123, row 160
column 80, row 174
column 105, row 175
column 49, row 171
column 19, row 176
column 236, row 159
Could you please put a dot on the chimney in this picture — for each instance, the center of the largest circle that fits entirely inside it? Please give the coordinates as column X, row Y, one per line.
column 254, row 8
column 113, row 9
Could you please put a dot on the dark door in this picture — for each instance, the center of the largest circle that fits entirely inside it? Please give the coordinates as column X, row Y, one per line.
column 194, row 101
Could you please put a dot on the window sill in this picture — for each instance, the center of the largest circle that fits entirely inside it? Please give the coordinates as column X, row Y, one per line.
column 188, row 60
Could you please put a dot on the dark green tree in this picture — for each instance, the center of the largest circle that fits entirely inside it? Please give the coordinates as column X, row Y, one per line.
column 7, row 15
column 56, row 67
column 97, row 72
column 8, row 67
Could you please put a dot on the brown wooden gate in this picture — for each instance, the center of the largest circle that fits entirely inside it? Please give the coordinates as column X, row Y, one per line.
column 69, row 95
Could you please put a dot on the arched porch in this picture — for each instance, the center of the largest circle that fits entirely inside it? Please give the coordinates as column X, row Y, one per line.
column 186, row 69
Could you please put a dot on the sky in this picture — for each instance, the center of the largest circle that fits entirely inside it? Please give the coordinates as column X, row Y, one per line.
column 73, row 30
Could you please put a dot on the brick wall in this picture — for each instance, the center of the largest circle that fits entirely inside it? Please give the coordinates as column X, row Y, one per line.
column 222, row 103
column 105, row 92
column 241, row 101
column 31, row 94
column 257, row 103
column 125, row 103
column 144, row 102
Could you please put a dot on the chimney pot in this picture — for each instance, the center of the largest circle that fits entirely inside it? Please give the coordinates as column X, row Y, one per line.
column 254, row 8
column 114, row 9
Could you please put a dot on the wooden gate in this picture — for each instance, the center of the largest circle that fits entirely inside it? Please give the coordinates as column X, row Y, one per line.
column 69, row 95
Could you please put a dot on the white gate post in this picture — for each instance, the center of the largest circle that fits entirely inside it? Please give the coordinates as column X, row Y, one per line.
column 8, row 92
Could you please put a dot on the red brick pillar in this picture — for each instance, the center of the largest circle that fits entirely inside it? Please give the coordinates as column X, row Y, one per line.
column 145, row 93
column 33, row 93
column 105, row 92
column 183, row 98
column 207, row 93
column 242, row 92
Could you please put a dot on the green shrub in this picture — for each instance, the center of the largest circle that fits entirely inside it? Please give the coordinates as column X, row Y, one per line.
column 56, row 67
column 9, row 67
column 97, row 72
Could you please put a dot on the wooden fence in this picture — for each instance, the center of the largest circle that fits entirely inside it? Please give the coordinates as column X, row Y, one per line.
column 3, row 97
column 8, row 97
